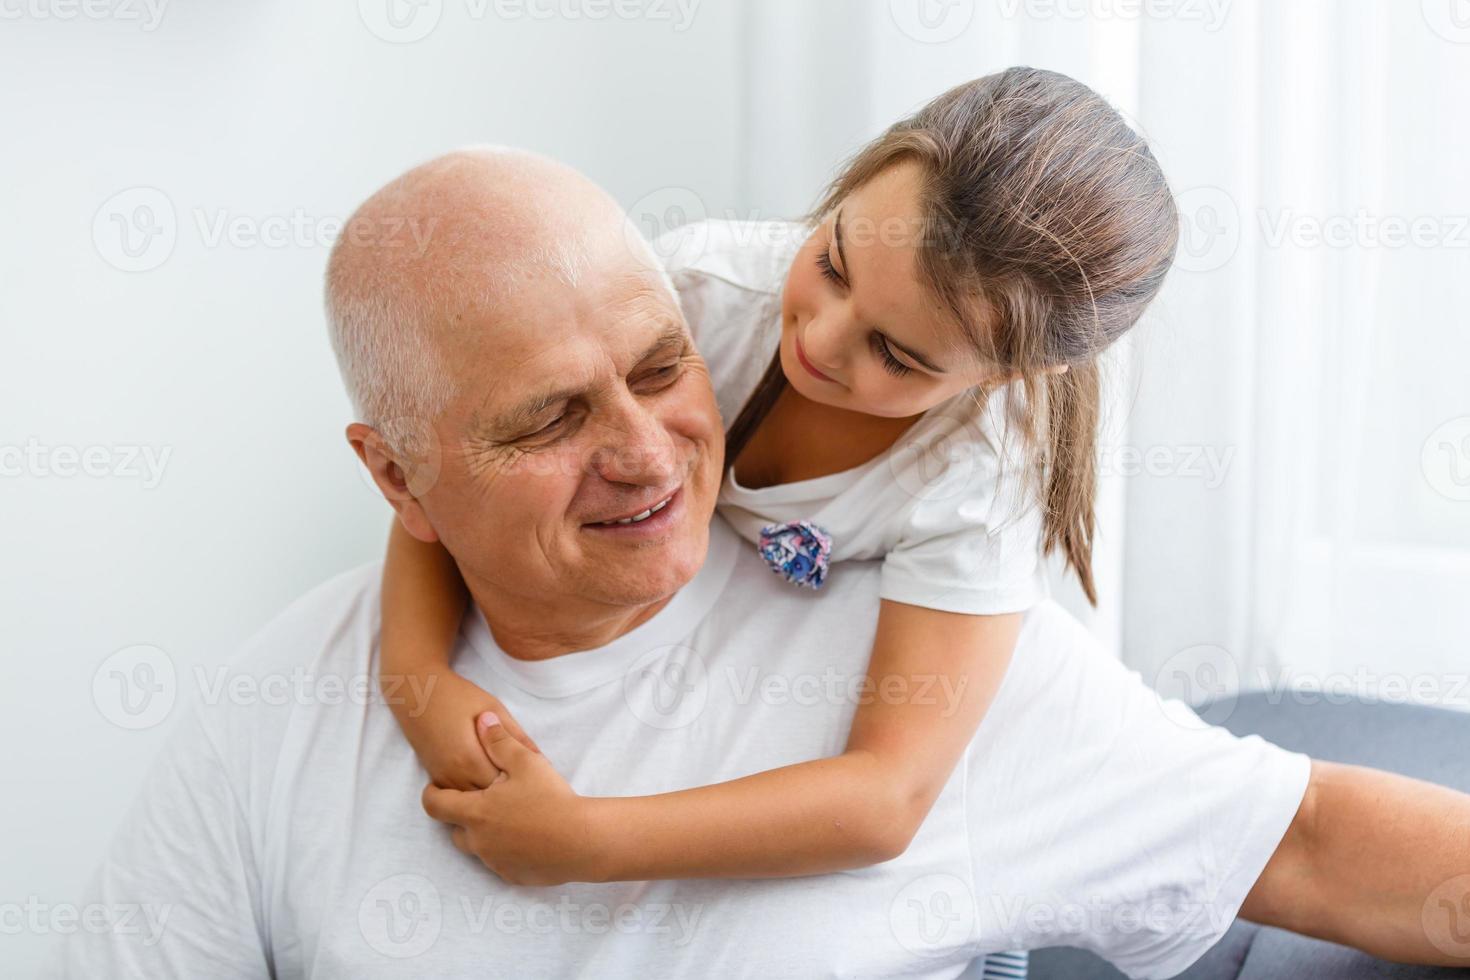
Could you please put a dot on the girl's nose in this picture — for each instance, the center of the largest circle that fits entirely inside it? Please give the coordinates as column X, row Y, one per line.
column 822, row 344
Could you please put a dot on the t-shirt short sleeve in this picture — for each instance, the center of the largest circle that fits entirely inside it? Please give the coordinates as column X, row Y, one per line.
column 971, row 540
column 1109, row 818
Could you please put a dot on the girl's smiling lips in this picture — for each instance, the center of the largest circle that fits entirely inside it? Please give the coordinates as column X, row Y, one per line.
column 810, row 367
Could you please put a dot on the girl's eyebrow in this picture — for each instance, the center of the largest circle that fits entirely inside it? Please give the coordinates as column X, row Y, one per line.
column 922, row 361
column 841, row 253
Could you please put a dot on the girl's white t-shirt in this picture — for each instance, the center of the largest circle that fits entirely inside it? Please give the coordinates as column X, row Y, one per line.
column 947, row 507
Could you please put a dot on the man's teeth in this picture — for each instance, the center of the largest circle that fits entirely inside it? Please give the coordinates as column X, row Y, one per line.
column 639, row 518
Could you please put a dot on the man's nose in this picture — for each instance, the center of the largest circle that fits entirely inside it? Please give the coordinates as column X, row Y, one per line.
column 634, row 448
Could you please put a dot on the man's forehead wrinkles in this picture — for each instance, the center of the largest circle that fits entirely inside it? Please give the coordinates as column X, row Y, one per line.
column 646, row 304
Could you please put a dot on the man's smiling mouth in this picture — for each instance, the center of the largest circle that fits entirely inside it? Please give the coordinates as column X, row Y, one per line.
column 639, row 517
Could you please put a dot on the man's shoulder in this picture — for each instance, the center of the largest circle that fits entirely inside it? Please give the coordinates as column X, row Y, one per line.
column 335, row 622
column 324, row 641
column 296, row 670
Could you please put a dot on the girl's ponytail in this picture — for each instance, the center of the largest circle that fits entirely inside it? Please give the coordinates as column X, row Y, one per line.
column 1073, row 403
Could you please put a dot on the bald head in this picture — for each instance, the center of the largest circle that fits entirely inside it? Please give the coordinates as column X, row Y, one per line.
column 421, row 262
column 527, row 383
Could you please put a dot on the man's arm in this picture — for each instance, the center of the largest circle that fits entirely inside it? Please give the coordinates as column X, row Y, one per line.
column 1370, row 861
column 177, row 894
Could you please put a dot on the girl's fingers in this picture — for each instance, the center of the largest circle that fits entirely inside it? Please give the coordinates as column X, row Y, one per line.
column 515, row 729
column 503, row 749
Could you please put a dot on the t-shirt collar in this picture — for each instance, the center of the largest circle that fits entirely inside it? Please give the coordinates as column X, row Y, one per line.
column 573, row 673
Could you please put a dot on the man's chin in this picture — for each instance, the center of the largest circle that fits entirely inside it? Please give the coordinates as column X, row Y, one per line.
column 656, row 571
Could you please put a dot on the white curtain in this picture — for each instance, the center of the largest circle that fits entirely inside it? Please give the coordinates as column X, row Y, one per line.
column 1288, row 467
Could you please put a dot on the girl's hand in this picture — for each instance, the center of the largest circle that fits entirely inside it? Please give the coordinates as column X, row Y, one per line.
column 440, row 725
column 529, row 827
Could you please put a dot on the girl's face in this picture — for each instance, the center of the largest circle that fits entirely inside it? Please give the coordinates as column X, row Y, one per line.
column 858, row 329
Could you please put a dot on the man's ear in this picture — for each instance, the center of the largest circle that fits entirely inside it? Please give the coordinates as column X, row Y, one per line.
column 390, row 479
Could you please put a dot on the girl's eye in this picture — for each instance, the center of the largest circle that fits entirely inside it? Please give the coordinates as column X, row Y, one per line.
column 828, row 270
column 891, row 364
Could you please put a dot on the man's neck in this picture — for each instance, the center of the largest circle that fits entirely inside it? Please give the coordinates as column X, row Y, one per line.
column 530, row 630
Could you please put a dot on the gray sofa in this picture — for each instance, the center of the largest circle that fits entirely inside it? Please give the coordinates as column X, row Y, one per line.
column 1427, row 743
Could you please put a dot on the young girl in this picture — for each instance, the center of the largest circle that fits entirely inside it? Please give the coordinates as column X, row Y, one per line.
column 930, row 397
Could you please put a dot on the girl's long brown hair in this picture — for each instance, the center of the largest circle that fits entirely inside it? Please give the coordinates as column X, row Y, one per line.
column 1041, row 201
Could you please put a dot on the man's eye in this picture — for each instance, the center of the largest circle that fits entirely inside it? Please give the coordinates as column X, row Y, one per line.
column 547, row 429
column 664, row 375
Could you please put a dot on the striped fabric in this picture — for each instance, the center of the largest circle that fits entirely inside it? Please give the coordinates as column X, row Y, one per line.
column 1006, row 966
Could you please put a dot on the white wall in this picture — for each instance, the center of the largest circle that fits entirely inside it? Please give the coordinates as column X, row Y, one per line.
column 218, row 357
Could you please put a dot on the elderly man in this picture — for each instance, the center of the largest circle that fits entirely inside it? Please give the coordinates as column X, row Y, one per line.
column 287, row 839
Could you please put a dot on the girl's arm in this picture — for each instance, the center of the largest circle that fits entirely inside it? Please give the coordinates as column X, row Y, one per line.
column 932, row 677
column 424, row 600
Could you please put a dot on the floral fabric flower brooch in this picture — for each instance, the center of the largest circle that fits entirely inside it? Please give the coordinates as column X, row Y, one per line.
column 799, row 551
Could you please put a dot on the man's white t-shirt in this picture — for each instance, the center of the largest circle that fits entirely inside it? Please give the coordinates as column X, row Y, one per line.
column 280, row 833
column 948, row 507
